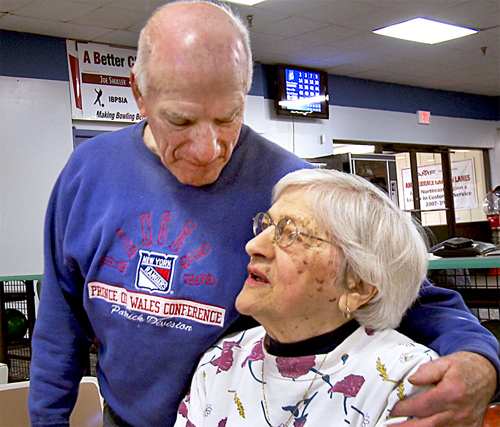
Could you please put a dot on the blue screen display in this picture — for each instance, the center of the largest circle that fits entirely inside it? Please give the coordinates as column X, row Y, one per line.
column 301, row 85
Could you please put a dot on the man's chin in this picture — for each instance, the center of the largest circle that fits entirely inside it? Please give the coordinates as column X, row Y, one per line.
column 199, row 179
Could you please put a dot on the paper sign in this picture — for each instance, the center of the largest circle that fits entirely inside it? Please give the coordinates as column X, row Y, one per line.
column 100, row 78
column 430, row 181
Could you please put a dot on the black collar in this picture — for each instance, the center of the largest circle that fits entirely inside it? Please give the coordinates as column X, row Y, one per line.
column 317, row 345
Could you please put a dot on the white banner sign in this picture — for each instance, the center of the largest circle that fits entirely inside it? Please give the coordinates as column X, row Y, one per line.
column 100, row 77
column 430, row 181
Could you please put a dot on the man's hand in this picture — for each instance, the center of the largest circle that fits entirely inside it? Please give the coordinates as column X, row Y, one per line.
column 464, row 385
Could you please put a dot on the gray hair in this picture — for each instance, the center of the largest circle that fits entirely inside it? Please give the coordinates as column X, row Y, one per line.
column 381, row 244
column 140, row 65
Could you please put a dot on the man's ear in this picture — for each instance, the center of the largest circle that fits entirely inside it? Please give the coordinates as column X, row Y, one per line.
column 139, row 98
column 358, row 294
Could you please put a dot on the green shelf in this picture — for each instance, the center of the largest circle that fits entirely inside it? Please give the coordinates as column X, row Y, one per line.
column 472, row 262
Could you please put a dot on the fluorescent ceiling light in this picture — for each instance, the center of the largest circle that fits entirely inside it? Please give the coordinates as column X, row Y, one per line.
column 246, row 2
column 424, row 30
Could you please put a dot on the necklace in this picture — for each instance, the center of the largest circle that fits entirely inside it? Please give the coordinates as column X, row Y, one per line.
column 304, row 397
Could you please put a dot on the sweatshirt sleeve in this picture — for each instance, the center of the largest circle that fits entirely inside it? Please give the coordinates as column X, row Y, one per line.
column 191, row 408
column 441, row 320
column 62, row 335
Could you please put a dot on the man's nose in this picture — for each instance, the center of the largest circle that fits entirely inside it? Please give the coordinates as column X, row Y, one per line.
column 204, row 146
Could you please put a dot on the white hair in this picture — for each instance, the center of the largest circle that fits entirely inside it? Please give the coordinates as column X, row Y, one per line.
column 381, row 244
column 143, row 51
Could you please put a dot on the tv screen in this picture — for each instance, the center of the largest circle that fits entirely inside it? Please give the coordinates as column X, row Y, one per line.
column 301, row 92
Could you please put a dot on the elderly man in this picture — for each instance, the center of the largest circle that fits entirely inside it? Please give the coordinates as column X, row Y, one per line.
column 145, row 237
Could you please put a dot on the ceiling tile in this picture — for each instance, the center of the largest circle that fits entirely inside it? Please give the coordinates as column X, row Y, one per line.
column 78, row 32
column 108, row 17
column 341, row 12
column 291, row 7
column 148, row 6
column 477, row 14
column 293, row 26
column 11, row 5
column 28, row 25
column 284, row 46
column 328, row 34
column 118, row 37
column 258, row 39
column 55, row 10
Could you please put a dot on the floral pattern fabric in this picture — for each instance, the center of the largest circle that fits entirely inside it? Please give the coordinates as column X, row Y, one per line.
column 356, row 384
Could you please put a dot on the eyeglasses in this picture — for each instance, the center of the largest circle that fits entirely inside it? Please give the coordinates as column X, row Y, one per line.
column 286, row 231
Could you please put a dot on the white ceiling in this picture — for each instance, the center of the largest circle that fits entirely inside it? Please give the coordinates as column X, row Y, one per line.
column 334, row 35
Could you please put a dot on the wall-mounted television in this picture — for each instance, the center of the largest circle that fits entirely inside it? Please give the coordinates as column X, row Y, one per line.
column 301, row 92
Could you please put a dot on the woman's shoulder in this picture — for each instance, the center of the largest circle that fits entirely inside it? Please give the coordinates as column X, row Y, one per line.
column 390, row 342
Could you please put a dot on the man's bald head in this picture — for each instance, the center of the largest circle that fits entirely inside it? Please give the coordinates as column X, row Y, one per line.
column 198, row 33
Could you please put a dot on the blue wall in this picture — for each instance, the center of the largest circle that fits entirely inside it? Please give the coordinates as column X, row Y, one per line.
column 44, row 57
column 352, row 92
column 33, row 56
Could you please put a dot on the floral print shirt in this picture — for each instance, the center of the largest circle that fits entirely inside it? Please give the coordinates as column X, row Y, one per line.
column 356, row 384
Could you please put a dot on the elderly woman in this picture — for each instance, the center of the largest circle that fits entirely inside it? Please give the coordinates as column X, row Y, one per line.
column 334, row 266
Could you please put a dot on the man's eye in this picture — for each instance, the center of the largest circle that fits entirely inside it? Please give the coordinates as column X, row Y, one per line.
column 180, row 123
column 175, row 120
column 230, row 118
column 225, row 121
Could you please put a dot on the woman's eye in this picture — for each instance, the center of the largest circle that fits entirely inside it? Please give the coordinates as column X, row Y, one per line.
column 290, row 234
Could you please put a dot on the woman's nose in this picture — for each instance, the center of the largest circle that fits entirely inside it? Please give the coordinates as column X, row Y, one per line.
column 262, row 244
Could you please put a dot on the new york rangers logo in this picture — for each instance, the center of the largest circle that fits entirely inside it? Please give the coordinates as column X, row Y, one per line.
column 155, row 271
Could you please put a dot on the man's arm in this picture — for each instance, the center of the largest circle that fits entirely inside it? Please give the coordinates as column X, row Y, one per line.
column 60, row 353
column 465, row 383
column 466, row 377
column 62, row 335
column 441, row 320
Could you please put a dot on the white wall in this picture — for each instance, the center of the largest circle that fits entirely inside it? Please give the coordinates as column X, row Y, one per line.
column 35, row 142
column 300, row 136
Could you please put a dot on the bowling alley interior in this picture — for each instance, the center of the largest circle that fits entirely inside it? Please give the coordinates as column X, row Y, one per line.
column 333, row 83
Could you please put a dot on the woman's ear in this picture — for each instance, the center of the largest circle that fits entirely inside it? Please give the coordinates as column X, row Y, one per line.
column 357, row 294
